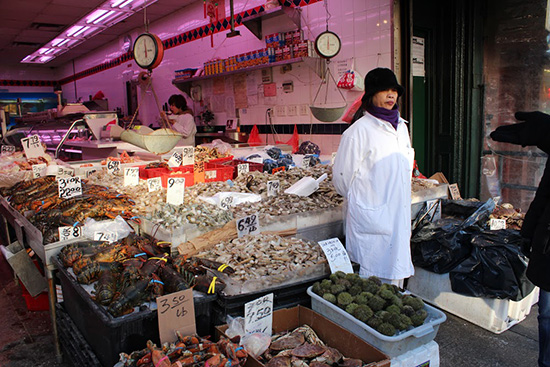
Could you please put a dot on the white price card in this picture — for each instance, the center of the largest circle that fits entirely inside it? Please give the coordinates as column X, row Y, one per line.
column 131, row 176
column 33, row 146
column 211, row 174
column 106, row 236
column 64, row 172
column 496, row 224
column 332, row 157
column 336, row 255
column 226, row 201
column 176, row 159
column 39, row 170
column 248, row 225
column 8, row 149
column 242, row 168
column 69, row 232
column 88, row 171
column 258, row 315
column 113, row 167
column 176, row 190
column 69, row 187
column 154, row 184
column 306, row 162
column 188, row 156
column 273, row 188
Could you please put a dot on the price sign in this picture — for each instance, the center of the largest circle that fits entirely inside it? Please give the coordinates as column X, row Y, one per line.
column 68, row 232
column 198, row 172
column 248, row 225
column 242, row 168
column 32, row 146
column 211, row 175
column 306, row 162
column 226, row 202
column 258, row 315
column 64, row 172
column 69, row 187
column 336, row 255
column 496, row 224
column 455, row 192
column 88, row 171
column 273, row 188
column 176, row 190
column 154, row 184
column 105, row 236
column 176, row 311
column 39, row 170
column 8, row 149
column 176, row 159
column 188, row 156
column 333, row 157
column 131, row 176
column 278, row 169
column 113, row 167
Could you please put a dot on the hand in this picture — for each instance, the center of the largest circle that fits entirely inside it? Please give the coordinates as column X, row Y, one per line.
column 534, row 131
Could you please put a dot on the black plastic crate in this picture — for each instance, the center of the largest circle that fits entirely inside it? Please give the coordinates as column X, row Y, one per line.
column 73, row 346
column 107, row 335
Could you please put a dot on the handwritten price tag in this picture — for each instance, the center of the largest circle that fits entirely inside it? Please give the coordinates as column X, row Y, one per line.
column 188, row 156
column 69, row 187
column 211, row 174
column 243, row 168
column 39, row 170
column 336, row 255
column 496, row 224
column 176, row 311
column 248, row 225
column 69, row 232
column 64, row 172
column 176, row 190
column 176, row 159
column 8, row 149
column 105, row 236
column 306, row 162
column 273, row 188
column 32, row 146
column 226, row 202
column 131, row 176
column 154, row 184
column 198, row 171
column 455, row 192
column 113, row 167
column 332, row 157
column 258, row 315
column 88, row 171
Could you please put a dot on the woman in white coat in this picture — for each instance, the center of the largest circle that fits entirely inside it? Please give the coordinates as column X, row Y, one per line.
column 372, row 170
column 182, row 119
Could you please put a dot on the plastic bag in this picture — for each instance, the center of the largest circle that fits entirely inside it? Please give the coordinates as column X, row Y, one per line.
column 495, row 269
column 352, row 110
column 440, row 246
column 294, row 141
column 112, row 230
column 227, row 199
column 254, row 140
column 351, row 80
column 256, row 343
column 235, row 327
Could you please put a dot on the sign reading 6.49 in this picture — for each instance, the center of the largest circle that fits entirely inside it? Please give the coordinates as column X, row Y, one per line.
column 69, row 187
column 248, row 225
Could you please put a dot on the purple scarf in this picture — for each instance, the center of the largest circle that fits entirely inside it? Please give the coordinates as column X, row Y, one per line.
column 391, row 116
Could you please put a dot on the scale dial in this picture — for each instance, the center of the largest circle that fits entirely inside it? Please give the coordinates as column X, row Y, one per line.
column 328, row 44
column 148, row 51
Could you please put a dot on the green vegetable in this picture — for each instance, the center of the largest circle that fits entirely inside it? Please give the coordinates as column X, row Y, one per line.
column 376, row 303
column 363, row 313
column 344, row 299
column 386, row 328
column 330, row 297
column 414, row 302
column 337, row 288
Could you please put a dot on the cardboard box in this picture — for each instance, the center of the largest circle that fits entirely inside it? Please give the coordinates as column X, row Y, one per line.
column 332, row 334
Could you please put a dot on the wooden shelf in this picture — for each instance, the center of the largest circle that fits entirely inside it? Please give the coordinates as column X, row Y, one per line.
column 185, row 84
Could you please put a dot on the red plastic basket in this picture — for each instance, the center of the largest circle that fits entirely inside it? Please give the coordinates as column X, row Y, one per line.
column 221, row 160
column 252, row 166
column 223, row 173
column 38, row 303
column 189, row 178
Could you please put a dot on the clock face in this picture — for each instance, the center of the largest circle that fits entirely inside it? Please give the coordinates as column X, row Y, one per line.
column 328, row 44
column 148, row 51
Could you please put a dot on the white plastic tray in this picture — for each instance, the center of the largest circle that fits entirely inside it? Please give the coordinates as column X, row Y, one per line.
column 391, row 345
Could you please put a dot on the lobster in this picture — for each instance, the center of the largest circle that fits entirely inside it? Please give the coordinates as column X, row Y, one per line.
column 125, row 301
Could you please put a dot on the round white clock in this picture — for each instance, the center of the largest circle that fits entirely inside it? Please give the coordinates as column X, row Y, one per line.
column 328, row 44
column 148, row 51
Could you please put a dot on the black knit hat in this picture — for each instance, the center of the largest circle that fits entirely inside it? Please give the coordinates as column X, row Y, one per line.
column 380, row 79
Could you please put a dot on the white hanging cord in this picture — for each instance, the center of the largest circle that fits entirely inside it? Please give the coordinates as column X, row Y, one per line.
column 328, row 15
column 145, row 21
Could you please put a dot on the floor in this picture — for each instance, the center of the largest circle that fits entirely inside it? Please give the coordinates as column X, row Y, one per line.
column 26, row 339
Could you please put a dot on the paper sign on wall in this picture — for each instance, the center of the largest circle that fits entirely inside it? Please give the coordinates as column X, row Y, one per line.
column 176, row 312
column 336, row 255
column 258, row 315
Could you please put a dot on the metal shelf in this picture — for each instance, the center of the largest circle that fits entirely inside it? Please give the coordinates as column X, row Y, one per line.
column 254, row 22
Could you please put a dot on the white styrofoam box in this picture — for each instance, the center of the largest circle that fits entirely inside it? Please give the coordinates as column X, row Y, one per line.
column 495, row 315
column 176, row 236
column 426, row 355
column 393, row 346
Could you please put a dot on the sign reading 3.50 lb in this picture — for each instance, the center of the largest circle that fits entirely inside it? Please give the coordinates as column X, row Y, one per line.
column 69, row 187
column 248, row 225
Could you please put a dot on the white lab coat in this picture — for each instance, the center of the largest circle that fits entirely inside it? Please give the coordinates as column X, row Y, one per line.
column 372, row 170
column 185, row 124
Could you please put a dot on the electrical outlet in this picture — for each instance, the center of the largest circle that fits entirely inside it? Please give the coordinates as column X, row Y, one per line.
column 303, row 110
column 280, row 111
column 291, row 110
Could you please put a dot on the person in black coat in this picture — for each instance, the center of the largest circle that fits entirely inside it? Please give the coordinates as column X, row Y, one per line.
column 535, row 131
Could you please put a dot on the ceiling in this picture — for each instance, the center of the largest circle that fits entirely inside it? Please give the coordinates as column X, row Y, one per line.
column 26, row 25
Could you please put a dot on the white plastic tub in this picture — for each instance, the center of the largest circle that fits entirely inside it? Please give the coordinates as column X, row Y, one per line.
column 391, row 345
column 495, row 315
column 423, row 356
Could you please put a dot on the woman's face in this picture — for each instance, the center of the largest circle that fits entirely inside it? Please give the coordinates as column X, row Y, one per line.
column 385, row 99
column 174, row 109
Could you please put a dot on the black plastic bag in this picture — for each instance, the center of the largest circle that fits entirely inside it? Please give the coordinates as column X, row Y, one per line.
column 495, row 269
column 440, row 246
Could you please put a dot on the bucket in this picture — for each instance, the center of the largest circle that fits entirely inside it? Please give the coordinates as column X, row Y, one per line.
column 159, row 141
